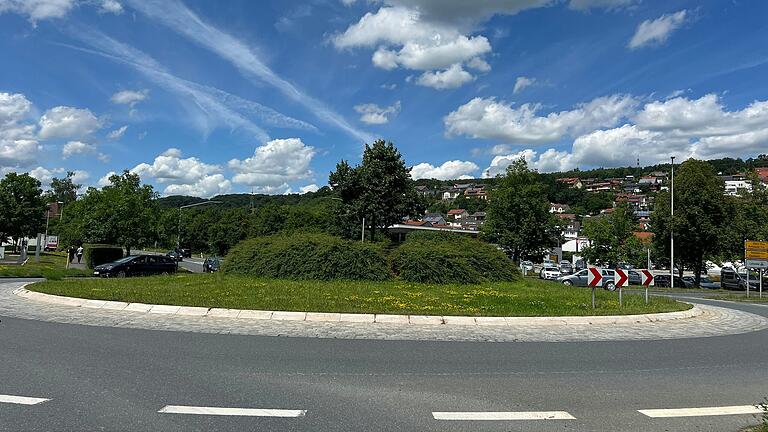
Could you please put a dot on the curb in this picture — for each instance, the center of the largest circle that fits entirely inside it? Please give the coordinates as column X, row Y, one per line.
column 354, row 317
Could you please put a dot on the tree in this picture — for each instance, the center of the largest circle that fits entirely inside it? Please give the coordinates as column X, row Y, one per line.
column 64, row 189
column 22, row 207
column 379, row 190
column 609, row 235
column 123, row 213
column 699, row 216
column 518, row 214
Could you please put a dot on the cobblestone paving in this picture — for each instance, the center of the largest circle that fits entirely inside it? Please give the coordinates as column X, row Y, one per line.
column 715, row 321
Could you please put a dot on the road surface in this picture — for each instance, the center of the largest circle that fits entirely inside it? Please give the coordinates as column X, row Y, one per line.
column 65, row 377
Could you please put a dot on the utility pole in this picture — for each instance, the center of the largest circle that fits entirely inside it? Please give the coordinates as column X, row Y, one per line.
column 362, row 233
column 672, row 229
column 178, row 238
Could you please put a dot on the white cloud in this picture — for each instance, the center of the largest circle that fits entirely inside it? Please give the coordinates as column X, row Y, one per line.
column 37, row 10
column 45, row 175
column 274, row 165
column 77, row 147
column 129, row 97
column 309, row 188
column 656, row 32
column 111, row 6
column 117, row 133
column 479, row 65
column 585, row 5
column 104, row 181
column 488, row 119
column 184, row 176
column 449, row 170
column 181, row 19
column 376, row 115
column 451, row 78
column 18, row 142
column 523, row 82
column 67, row 122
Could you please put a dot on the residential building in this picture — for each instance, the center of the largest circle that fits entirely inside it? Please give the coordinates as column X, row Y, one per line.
column 457, row 214
column 572, row 182
column 599, row 187
column 736, row 184
column 476, row 192
column 559, row 208
column 434, row 218
column 451, row 194
column 762, row 174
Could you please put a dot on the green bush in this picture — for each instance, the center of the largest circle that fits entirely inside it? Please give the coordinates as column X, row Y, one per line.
column 307, row 256
column 440, row 258
column 97, row 254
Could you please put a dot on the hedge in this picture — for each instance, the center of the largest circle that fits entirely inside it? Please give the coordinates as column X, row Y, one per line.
column 97, row 254
column 307, row 256
column 440, row 258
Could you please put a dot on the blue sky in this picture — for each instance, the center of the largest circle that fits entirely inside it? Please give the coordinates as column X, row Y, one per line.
column 203, row 98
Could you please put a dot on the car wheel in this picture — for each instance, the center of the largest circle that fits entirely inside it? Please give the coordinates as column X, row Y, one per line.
column 121, row 274
column 567, row 283
column 610, row 286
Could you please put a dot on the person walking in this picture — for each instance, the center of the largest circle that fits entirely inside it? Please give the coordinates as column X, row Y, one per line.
column 79, row 253
column 71, row 253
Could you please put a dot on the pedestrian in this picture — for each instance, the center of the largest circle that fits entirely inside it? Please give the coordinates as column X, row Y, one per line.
column 71, row 253
column 79, row 253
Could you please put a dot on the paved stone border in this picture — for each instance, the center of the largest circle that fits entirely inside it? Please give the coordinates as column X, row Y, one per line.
column 355, row 318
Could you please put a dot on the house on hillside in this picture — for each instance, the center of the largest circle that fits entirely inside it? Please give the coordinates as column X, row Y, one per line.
column 434, row 218
column 762, row 174
column 450, row 194
column 457, row 214
column 737, row 184
column 572, row 182
column 476, row 192
column 426, row 191
column 559, row 208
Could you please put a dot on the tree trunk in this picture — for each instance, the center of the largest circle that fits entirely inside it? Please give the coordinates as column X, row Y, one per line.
column 127, row 250
column 697, row 276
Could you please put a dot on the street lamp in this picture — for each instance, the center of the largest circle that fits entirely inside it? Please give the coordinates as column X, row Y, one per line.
column 672, row 229
column 178, row 238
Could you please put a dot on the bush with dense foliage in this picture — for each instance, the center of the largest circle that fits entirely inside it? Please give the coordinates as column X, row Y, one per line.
column 307, row 256
column 97, row 254
column 450, row 258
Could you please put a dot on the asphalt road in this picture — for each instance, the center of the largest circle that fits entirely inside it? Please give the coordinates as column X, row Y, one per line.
column 117, row 379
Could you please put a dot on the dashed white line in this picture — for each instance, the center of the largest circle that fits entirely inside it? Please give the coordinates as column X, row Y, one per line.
column 504, row 416
column 220, row 411
column 21, row 400
column 702, row 412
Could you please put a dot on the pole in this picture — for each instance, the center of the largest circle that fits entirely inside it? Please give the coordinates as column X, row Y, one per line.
column 747, row 281
column 649, row 269
column 620, row 302
column 761, row 283
column 47, row 221
column 672, row 229
column 178, row 236
column 593, row 298
column 362, row 233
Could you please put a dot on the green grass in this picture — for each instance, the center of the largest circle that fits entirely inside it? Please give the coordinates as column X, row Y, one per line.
column 519, row 298
column 51, row 266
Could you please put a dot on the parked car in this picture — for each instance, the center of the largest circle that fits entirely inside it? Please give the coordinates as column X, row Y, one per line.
column 211, row 264
column 549, row 273
column 663, row 281
column 526, row 265
column 733, row 280
column 705, row 282
column 175, row 255
column 137, row 265
column 566, row 267
column 635, row 278
column 186, row 253
column 581, row 278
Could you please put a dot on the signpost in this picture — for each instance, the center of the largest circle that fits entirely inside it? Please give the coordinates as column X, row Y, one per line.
column 594, row 278
column 621, row 279
column 646, row 279
column 756, row 257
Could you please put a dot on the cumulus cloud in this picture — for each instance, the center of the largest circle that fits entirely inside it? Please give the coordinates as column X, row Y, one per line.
column 309, row 188
column 18, row 141
column 129, row 97
column 376, row 115
column 76, row 147
column 455, row 169
column 274, row 165
column 453, row 77
column 523, row 82
column 656, row 32
column 104, row 180
column 67, row 122
column 184, row 176
column 488, row 118
column 45, row 175
column 37, row 10
column 111, row 6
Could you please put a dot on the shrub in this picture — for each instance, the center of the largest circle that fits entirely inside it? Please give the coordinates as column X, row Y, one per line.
column 307, row 256
column 97, row 254
column 450, row 258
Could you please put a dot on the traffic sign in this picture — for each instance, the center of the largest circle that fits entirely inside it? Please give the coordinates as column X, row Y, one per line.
column 756, row 264
column 756, row 245
column 621, row 278
column 595, row 276
column 756, row 254
column 646, row 277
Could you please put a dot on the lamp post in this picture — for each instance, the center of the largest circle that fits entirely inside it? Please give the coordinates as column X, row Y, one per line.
column 672, row 229
column 178, row 238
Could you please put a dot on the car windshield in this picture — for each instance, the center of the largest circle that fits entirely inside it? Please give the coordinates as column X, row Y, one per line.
column 124, row 260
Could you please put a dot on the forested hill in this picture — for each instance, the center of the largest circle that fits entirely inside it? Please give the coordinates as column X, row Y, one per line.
column 247, row 200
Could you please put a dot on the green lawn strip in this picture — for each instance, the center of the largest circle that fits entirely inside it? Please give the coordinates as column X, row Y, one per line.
column 519, row 298
column 51, row 266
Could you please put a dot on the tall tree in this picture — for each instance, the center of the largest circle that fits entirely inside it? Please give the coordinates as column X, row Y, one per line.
column 699, row 216
column 22, row 206
column 518, row 214
column 379, row 190
column 64, row 189
column 610, row 235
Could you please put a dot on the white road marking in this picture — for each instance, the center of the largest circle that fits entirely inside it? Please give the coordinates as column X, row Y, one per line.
column 702, row 412
column 21, row 400
column 500, row 416
column 248, row 412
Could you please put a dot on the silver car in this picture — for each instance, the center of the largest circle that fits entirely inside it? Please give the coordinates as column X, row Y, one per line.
column 581, row 278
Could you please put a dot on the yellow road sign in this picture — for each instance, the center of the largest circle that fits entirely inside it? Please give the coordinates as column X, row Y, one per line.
column 757, row 254
column 756, row 245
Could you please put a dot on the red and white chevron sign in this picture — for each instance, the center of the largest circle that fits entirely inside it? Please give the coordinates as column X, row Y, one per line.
column 594, row 276
column 646, row 277
column 621, row 278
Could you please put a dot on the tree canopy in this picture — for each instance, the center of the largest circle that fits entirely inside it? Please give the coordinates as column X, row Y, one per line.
column 22, row 206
